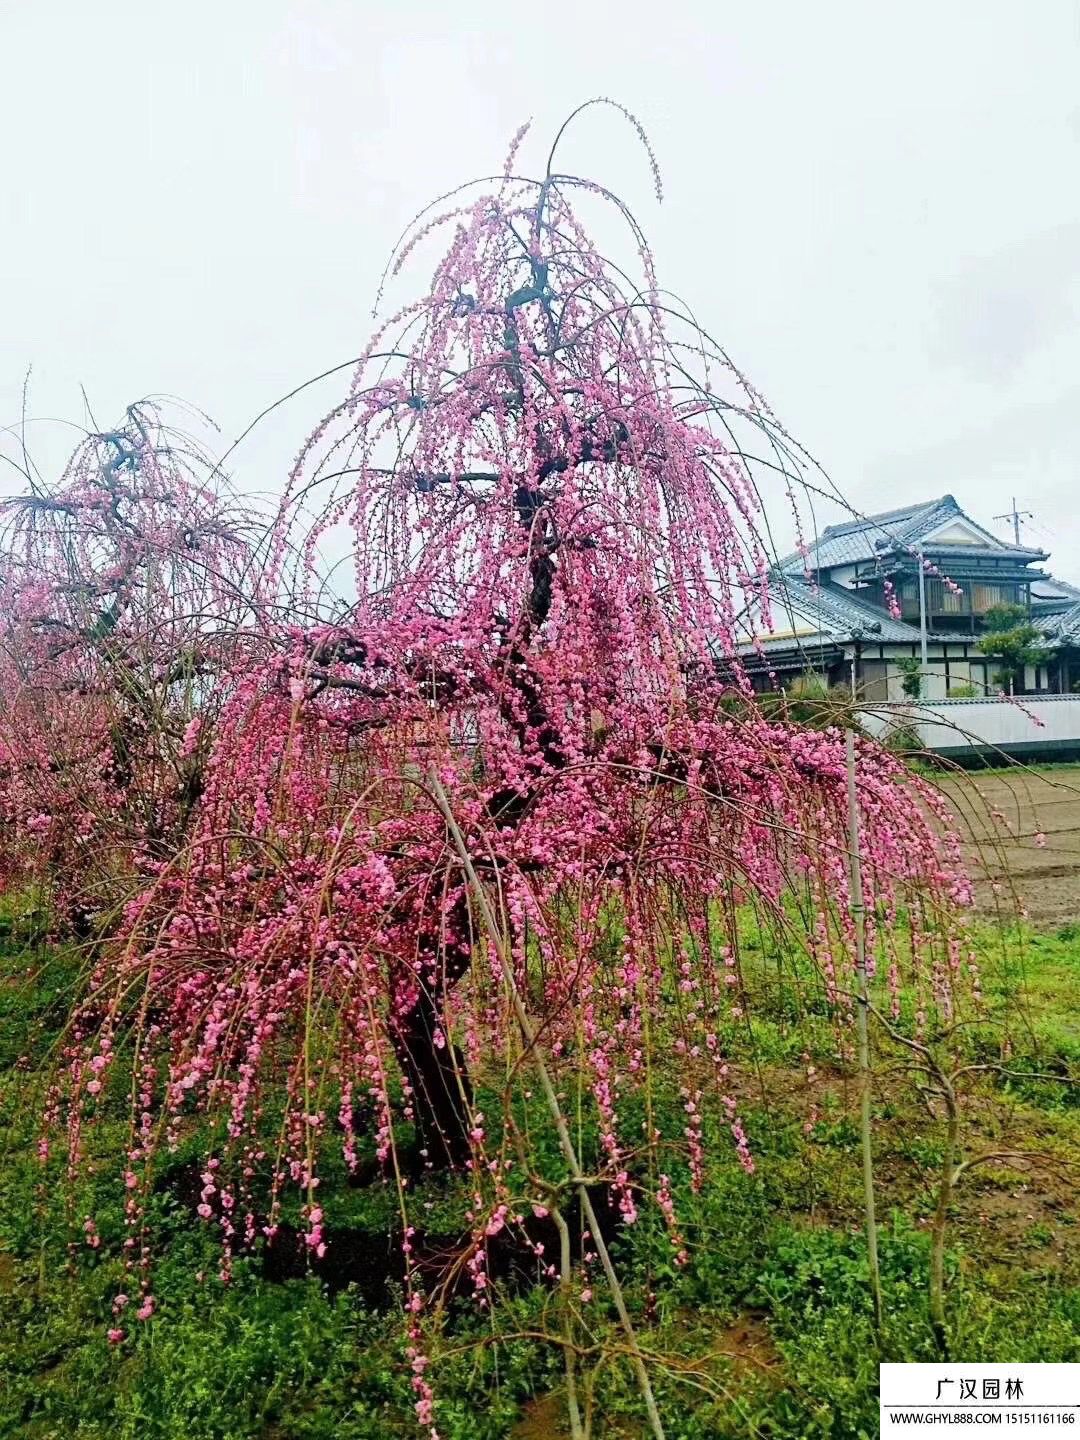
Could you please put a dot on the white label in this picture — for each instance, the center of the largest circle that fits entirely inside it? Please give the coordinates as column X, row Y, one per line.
column 941, row 1399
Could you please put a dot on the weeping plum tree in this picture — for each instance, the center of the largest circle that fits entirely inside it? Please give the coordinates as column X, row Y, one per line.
column 505, row 574
column 123, row 588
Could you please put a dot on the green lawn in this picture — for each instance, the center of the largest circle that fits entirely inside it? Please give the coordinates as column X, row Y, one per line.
column 768, row 1331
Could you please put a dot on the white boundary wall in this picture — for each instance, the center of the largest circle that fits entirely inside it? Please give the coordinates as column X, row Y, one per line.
column 1025, row 725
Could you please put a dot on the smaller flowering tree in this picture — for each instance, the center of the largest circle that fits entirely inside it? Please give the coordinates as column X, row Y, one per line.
column 122, row 591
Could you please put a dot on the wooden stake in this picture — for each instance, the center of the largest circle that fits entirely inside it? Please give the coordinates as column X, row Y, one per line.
column 566, row 1144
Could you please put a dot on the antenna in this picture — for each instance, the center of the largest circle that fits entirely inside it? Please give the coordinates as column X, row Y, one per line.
column 1016, row 516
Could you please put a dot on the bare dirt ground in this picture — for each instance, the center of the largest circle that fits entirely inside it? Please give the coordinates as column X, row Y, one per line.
column 1003, row 815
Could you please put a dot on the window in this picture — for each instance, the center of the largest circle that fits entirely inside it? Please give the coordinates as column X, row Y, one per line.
column 985, row 595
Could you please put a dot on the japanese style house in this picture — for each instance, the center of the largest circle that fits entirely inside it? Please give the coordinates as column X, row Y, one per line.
column 849, row 606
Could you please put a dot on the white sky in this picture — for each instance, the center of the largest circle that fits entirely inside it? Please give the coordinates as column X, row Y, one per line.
column 876, row 208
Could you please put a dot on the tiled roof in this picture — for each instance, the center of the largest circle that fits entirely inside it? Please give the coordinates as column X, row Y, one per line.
column 1069, row 594
column 1061, row 629
column 840, row 610
column 867, row 538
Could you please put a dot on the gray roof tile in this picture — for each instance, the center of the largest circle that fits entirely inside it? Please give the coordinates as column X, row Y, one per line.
column 855, row 541
column 1063, row 628
column 837, row 610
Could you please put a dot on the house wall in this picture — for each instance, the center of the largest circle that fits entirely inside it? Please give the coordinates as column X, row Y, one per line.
column 842, row 575
column 948, row 669
column 874, row 680
column 1036, row 677
column 938, row 678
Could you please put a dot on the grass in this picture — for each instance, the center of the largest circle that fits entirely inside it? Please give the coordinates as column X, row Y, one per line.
column 1069, row 768
column 768, row 1331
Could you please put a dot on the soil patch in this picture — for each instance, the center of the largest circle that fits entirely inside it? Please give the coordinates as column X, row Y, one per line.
column 1001, row 817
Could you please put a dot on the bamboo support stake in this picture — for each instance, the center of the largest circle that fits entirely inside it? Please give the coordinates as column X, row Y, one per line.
column 566, row 1144
column 862, row 1002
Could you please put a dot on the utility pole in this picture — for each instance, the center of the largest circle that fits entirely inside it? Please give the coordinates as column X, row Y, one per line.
column 924, row 661
column 1016, row 516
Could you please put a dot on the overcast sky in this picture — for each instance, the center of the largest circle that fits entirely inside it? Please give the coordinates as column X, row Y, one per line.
column 875, row 207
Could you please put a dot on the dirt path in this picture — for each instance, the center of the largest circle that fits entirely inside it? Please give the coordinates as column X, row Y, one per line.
column 1003, row 814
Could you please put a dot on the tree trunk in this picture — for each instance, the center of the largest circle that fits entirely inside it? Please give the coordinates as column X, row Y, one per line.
column 431, row 1064
column 439, row 1081
column 436, row 1074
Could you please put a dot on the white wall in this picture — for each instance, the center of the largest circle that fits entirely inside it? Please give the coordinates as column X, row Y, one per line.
column 842, row 575
column 957, row 725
